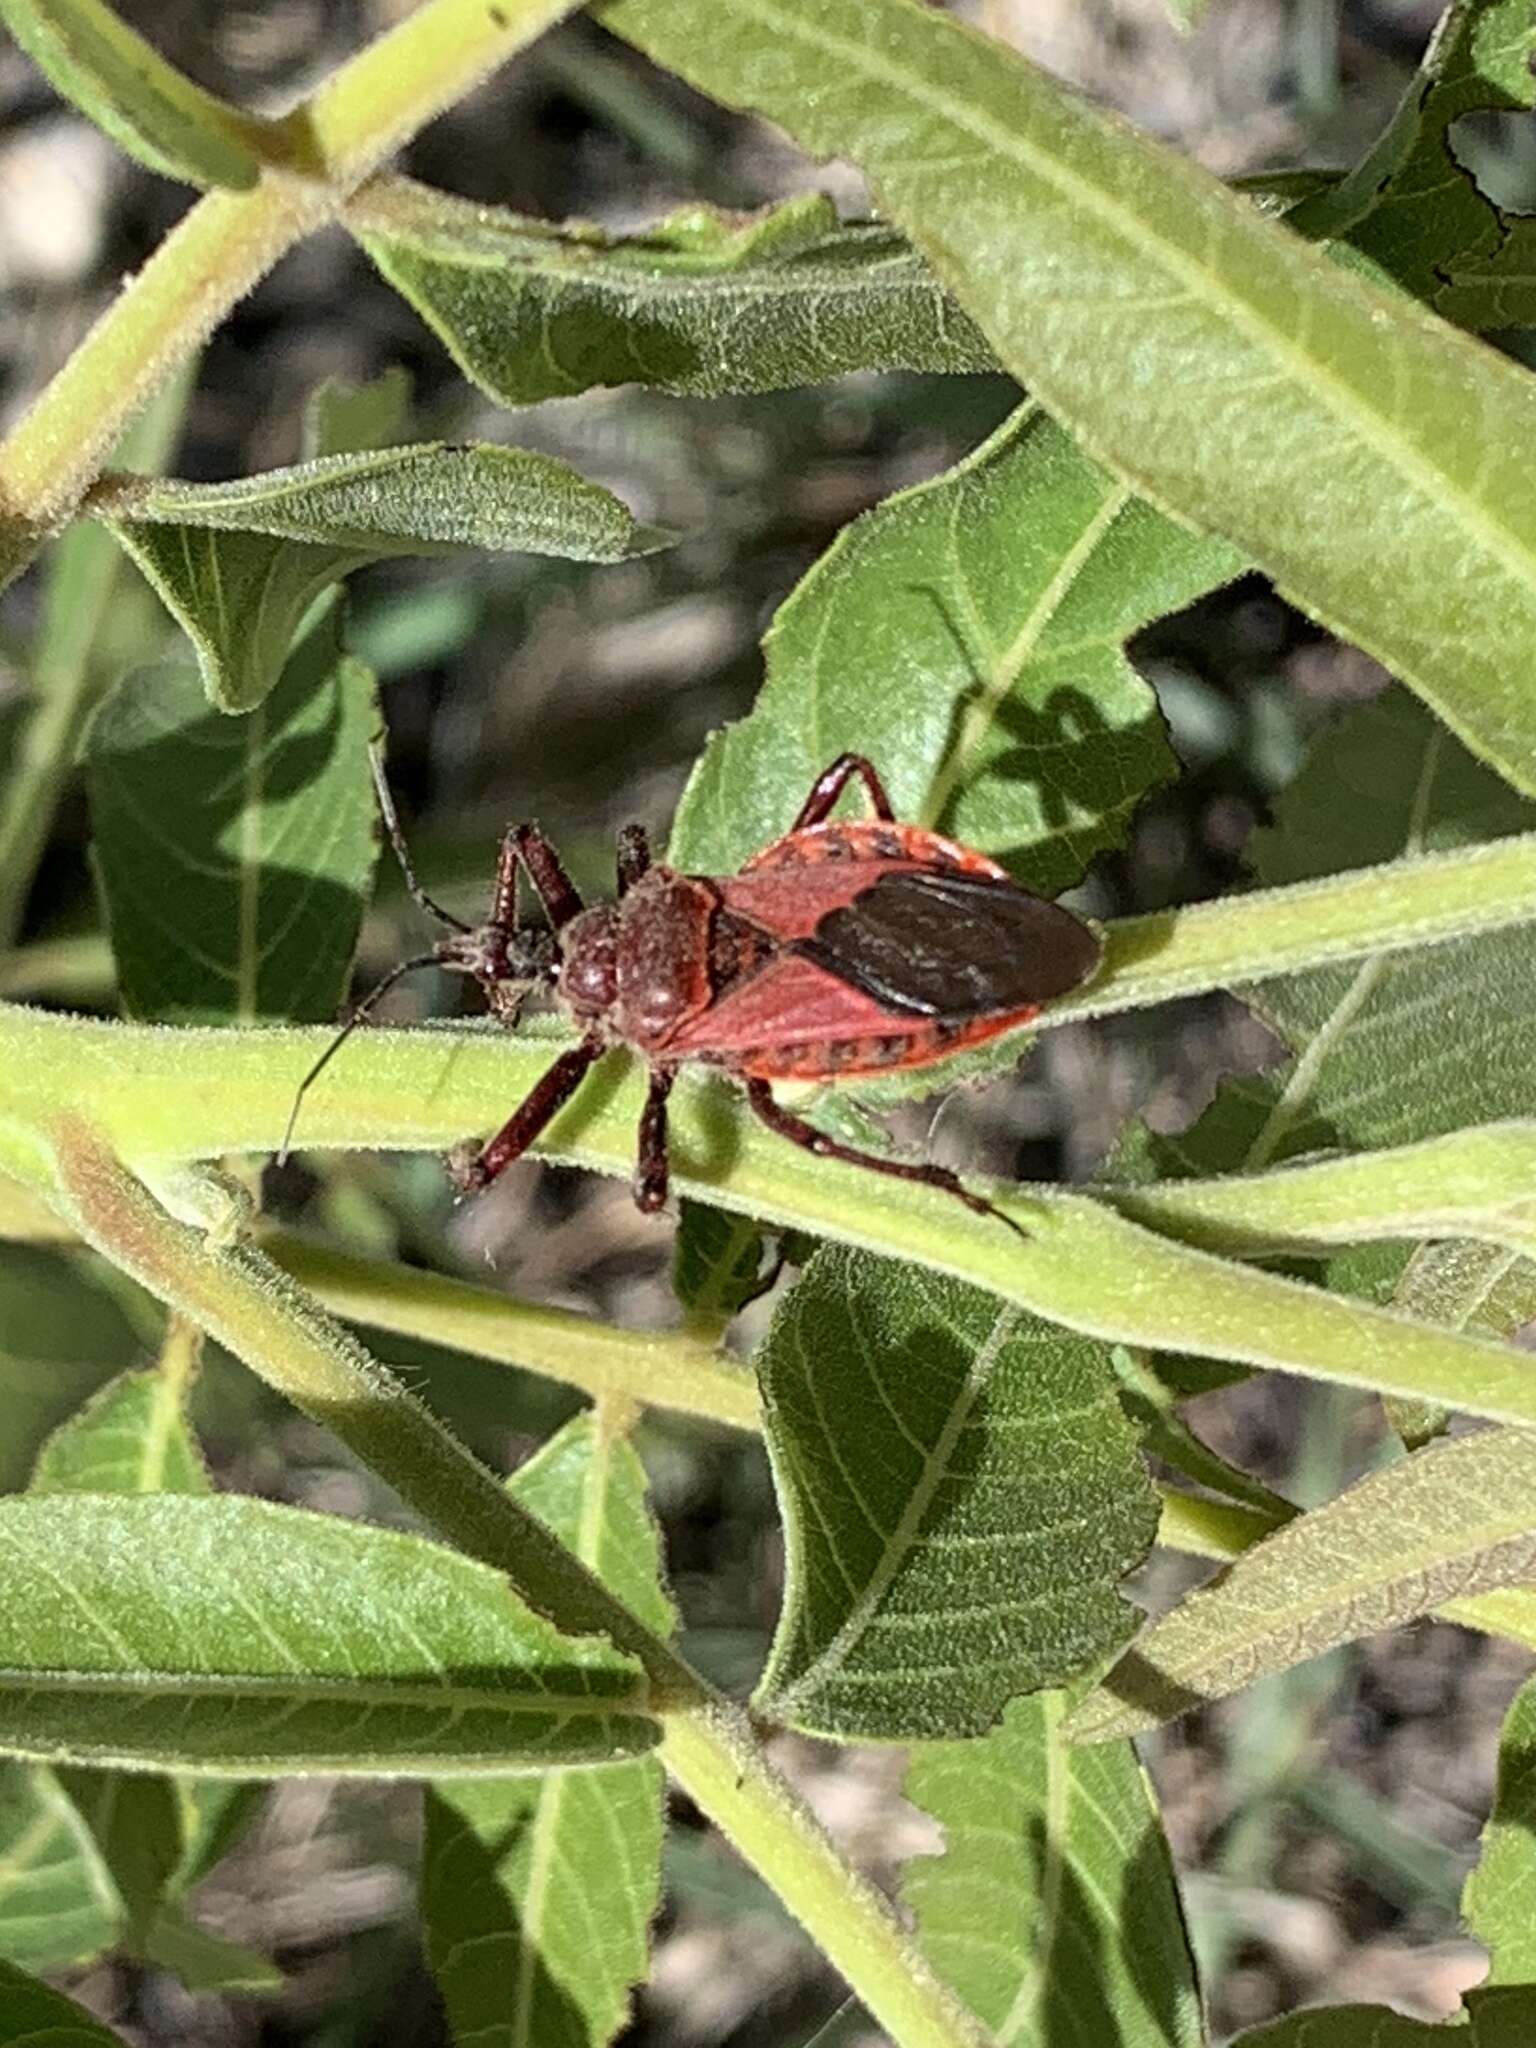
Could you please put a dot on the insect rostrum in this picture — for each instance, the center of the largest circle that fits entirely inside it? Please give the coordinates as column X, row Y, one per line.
column 843, row 948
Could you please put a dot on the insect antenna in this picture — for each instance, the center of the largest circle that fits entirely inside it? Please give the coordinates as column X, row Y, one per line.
column 358, row 1016
column 391, row 819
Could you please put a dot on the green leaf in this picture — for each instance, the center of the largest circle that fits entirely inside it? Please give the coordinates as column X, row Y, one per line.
column 342, row 418
column 135, row 1820
column 34, row 2015
column 1419, row 1042
column 239, row 564
column 1499, row 1902
column 968, row 635
column 1450, row 1521
column 1227, row 370
column 58, row 1904
column 132, row 1436
column 717, row 1264
column 205, row 1961
column 1502, row 2018
column 703, row 301
column 62, row 1333
column 233, row 855
column 1463, row 1286
column 538, row 1894
column 961, row 1496
column 1053, row 1910
column 1409, row 206
column 125, row 86
column 237, row 1637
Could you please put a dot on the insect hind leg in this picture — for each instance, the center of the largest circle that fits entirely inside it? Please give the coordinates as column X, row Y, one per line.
column 799, row 1132
column 831, row 783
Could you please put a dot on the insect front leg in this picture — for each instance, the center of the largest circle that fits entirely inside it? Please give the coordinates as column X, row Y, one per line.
column 548, row 1095
column 634, row 856
column 831, row 783
column 651, row 1163
column 526, row 845
column 799, row 1132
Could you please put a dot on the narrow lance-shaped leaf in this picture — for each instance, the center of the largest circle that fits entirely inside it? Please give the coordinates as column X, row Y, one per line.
column 968, row 636
column 58, row 1904
column 961, row 1496
column 1366, row 455
column 1450, row 1521
column 538, row 1894
column 701, row 302
column 285, row 1641
column 233, row 854
column 239, row 564
column 126, row 87
column 1053, row 1910
column 1499, row 1902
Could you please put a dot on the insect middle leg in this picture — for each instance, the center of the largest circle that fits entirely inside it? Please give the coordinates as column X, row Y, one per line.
column 831, row 783
column 799, row 1132
column 526, row 846
column 548, row 1095
column 651, row 1162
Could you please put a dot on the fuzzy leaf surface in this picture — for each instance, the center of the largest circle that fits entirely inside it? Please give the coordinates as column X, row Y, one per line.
column 1496, row 2018
column 132, row 1436
column 702, row 301
column 961, row 1497
column 1370, row 458
column 63, row 1333
column 239, row 564
column 1450, row 1521
column 538, row 1893
column 236, row 1637
column 233, row 855
column 968, row 636
column 1053, row 1910
column 717, row 1263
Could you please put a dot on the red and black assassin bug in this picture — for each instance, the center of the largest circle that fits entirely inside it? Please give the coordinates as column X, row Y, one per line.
column 844, row 948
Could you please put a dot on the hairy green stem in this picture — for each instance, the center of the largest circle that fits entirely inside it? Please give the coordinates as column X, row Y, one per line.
column 663, row 1369
column 244, row 1301
column 229, row 240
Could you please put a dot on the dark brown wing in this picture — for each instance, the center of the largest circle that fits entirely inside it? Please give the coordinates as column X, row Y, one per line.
column 936, row 943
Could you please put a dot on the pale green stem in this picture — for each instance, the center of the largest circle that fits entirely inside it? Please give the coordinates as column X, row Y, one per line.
column 669, row 1369
column 254, row 1311
column 229, row 240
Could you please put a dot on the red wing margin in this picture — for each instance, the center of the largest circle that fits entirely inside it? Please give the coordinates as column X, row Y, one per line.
column 937, row 943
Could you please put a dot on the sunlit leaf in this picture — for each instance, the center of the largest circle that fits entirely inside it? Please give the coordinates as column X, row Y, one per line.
column 968, row 636
column 1450, row 1521
column 132, row 1436
column 1052, row 1910
column 239, row 564
column 34, row 2015
column 538, row 1894
column 1499, row 1902
column 961, row 1496
column 233, row 854
column 123, row 84
column 283, row 1641
column 1222, row 366
column 702, row 301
